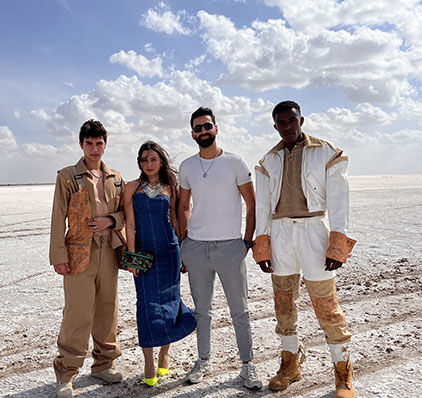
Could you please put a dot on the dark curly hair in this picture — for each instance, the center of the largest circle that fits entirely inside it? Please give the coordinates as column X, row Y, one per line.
column 167, row 175
column 94, row 129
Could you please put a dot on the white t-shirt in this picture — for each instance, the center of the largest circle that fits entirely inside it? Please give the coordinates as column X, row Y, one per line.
column 217, row 203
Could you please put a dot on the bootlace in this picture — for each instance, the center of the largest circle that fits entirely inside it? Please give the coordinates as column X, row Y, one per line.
column 199, row 365
column 344, row 378
column 250, row 370
column 301, row 351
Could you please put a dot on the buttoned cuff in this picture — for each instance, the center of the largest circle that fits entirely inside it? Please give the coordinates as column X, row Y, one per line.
column 262, row 248
column 340, row 247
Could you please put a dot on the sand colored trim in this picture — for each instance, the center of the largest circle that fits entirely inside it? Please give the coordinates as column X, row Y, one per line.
column 329, row 314
column 262, row 170
column 286, row 297
column 262, row 248
column 336, row 158
column 79, row 235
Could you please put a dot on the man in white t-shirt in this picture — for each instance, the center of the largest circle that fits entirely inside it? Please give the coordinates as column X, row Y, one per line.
column 212, row 241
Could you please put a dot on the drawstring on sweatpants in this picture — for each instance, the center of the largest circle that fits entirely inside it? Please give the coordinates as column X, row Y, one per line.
column 207, row 247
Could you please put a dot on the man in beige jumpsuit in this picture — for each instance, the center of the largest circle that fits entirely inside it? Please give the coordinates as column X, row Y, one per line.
column 88, row 196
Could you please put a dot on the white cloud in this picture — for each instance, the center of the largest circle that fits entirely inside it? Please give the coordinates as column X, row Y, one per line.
column 40, row 114
column 327, row 14
column 69, row 84
column 48, row 151
column 371, row 152
column 163, row 108
column 134, row 112
column 16, row 113
column 7, row 141
column 195, row 62
column 367, row 64
column 396, row 153
column 364, row 114
column 138, row 63
column 149, row 47
column 162, row 19
column 411, row 110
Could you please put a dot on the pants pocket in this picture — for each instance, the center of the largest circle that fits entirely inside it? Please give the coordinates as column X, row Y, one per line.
column 188, row 248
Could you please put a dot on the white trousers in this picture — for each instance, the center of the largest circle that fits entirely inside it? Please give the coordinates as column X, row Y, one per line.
column 299, row 245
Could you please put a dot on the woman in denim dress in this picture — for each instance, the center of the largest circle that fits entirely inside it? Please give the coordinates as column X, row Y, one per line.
column 151, row 227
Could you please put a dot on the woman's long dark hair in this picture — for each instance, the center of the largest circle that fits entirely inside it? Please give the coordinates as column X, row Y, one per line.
column 166, row 175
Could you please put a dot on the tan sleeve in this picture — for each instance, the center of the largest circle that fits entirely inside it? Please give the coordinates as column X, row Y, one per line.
column 118, row 213
column 262, row 248
column 58, row 249
column 340, row 247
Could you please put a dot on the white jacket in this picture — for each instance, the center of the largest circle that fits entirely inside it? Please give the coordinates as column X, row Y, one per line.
column 324, row 184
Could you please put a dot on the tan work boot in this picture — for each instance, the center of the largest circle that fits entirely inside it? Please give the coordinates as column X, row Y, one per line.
column 344, row 373
column 110, row 375
column 64, row 390
column 289, row 370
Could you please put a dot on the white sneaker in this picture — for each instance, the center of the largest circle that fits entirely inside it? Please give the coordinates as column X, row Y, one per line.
column 64, row 390
column 201, row 368
column 249, row 376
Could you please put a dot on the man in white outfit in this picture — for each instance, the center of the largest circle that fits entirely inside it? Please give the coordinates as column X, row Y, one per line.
column 217, row 180
column 298, row 181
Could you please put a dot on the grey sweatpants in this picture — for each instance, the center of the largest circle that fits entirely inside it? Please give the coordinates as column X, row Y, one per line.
column 226, row 258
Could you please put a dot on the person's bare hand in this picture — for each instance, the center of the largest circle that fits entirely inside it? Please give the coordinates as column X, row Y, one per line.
column 331, row 264
column 135, row 271
column 99, row 224
column 62, row 269
column 266, row 266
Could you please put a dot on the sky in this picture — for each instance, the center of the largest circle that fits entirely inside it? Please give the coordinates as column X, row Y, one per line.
column 142, row 68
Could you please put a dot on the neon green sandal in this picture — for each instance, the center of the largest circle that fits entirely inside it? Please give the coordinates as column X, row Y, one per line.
column 151, row 382
column 162, row 371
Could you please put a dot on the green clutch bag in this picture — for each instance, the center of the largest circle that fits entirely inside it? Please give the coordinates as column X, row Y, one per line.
column 140, row 260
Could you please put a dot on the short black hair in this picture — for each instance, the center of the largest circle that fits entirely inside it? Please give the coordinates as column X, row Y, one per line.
column 285, row 106
column 202, row 111
column 94, row 129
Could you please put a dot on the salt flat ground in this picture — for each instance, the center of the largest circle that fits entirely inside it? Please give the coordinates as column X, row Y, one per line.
column 379, row 290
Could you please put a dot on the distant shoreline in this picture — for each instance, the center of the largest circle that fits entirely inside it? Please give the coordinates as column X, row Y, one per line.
column 28, row 183
column 351, row 177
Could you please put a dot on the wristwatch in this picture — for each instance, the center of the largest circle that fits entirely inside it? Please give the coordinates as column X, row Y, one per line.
column 248, row 243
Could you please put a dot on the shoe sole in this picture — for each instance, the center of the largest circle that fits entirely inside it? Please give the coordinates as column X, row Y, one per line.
column 107, row 380
column 199, row 380
column 251, row 387
column 283, row 388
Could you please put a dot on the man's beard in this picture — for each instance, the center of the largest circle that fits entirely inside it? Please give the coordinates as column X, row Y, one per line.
column 205, row 143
